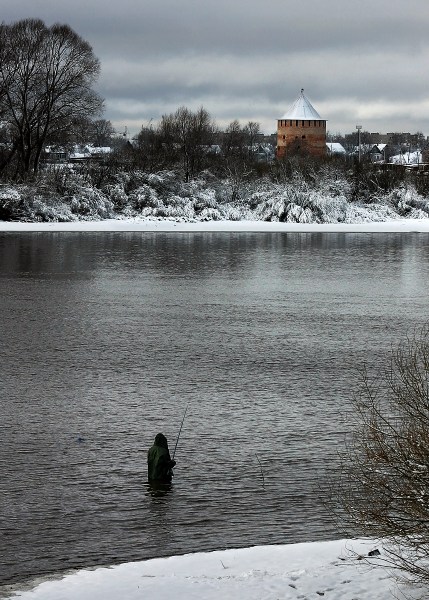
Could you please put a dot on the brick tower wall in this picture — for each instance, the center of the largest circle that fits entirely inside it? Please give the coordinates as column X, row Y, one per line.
column 301, row 137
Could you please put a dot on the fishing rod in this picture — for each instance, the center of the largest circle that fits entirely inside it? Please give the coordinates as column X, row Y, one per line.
column 180, row 430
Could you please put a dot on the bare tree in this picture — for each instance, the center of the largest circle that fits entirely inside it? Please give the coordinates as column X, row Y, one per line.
column 46, row 78
column 186, row 136
column 386, row 475
column 101, row 132
column 252, row 132
column 234, row 140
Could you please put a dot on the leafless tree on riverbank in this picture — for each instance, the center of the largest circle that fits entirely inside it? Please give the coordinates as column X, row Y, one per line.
column 386, row 475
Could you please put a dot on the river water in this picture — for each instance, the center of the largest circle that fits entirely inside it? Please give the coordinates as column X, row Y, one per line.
column 106, row 338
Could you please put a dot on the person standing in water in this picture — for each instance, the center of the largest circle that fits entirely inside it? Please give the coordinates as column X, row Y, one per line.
column 159, row 461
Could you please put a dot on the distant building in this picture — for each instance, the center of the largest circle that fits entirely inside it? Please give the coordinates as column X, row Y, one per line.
column 378, row 152
column 335, row 148
column 88, row 152
column 379, row 138
column 301, row 130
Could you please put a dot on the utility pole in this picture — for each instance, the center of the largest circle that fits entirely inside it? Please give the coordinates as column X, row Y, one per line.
column 359, row 127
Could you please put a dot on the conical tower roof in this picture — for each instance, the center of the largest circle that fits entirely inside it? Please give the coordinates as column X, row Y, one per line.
column 303, row 110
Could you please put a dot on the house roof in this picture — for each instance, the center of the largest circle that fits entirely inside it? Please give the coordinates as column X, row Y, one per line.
column 336, row 148
column 302, row 109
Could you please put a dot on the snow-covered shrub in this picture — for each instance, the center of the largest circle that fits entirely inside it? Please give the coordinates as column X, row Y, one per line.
column 116, row 193
column 210, row 214
column 273, row 209
column 165, row 183
column 230, row 212
column 297, row 214
column 408, row 202
column 332, row 182
column 369, row 213
column 329, row 209
column 205, row 199
column 143, row 197
column 132, row 180
column 178, row 207
column 281, row 202
column 48, row 210
column 11, row 203
column 90, row 203
column 27, row 203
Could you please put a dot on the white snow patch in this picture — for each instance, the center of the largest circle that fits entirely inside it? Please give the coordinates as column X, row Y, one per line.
column 337, row 570
column 169, row 225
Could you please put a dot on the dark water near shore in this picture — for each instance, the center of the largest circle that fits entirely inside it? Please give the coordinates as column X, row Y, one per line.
column 106, row 337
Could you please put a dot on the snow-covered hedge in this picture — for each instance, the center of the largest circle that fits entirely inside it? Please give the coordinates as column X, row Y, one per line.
column 324, row 196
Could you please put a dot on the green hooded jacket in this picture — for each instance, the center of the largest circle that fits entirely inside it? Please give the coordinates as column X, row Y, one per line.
column 159, row 463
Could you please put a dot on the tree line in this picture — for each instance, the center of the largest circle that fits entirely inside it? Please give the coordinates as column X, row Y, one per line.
column 192, row 140
column 47, row 96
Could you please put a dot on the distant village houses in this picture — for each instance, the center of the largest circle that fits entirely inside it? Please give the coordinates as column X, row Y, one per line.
column 75, row 154
column 301, row 131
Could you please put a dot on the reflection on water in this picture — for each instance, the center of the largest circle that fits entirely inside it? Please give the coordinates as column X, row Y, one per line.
column 156, row 489
column 105, row 338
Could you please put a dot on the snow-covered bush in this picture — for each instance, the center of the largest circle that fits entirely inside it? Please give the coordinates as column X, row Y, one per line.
column 272, row 207
column 26, row 203
column 285, row 202
column 205, row 199
column 330, row 209
column 297, row 214
column 178, row 207
column 333, row 182
column 143, row 197
column 116, row 193
column 11, row 204
column 325, row 193
column 52, row 210
column 210, row 214
column 91, row 204
column 408, row 202
column 369, row 213
column 165, row 183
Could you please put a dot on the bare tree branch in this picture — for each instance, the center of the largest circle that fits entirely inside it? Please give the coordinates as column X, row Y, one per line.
column 385, row 489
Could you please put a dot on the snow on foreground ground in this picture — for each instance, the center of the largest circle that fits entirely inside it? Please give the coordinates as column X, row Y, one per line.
column 330, row 570
column 170, row 225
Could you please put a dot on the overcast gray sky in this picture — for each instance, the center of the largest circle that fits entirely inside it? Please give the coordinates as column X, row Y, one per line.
column 359, row 61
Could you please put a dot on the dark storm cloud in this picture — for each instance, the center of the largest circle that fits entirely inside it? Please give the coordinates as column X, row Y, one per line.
column 248, row 60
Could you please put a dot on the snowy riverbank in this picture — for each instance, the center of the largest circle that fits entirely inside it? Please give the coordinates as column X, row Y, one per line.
column 166, row 225
column 332, row 570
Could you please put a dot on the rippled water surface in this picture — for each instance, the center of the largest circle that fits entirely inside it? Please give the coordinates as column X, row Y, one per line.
column 105, row 338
